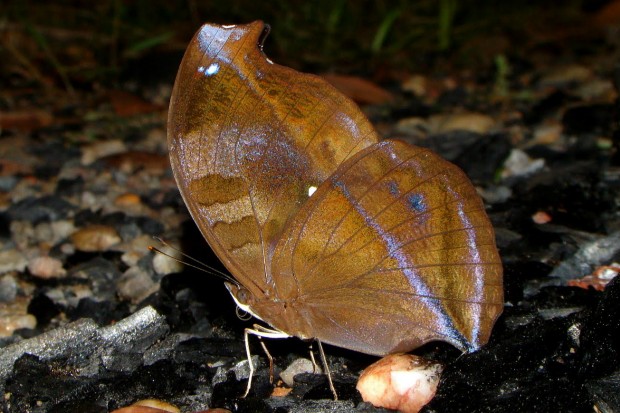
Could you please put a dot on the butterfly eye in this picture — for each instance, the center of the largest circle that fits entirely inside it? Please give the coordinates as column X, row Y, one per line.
column 243, row 296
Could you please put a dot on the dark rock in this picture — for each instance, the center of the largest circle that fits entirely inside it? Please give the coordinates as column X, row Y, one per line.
column 102, row 312
column 8, row 182
column 43, row 308
column 605, row 393
column 450, row 145
column 452, row 97
column 130, row 227
column 482, row 159
column 588, row 256
column 70, row 187
column 589, row 119
column 45, row 208
column 5, row 229
column 600, row 338
column 534, row 369
column 101, row 274
column 571, row 194
column 546, row 107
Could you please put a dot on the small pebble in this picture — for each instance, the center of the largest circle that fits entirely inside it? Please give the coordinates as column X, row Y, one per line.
column 135, row 285
column 300, row 365
column 138, row 409
column 495, row 194
column 95, row 238
column 67, row 248
column 149, row 406
column 402, row 382
column 565, row 75
column 127, row 200
column 155, row 140
column 89, row 200
column 14, row 315
column 416, row 84
column 46, row 267
column 136, row 249
column 61, row 229
column 412, row 126
column 100, row 149
column 520, row 164
column 602, row 89
column 7, row 183
column 541, row 217
column 471, row 122
column 163, row 264
column 12, row 260
column 11, row 322
column 22, row 234
column 8, row 288
column 547, row 134
column 281, row 391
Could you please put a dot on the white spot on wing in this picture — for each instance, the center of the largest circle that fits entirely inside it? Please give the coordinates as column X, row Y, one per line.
column 311, row 190
column 212, row 69
column 209, row 71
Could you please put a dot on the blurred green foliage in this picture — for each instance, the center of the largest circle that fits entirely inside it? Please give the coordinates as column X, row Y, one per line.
column 353, row 36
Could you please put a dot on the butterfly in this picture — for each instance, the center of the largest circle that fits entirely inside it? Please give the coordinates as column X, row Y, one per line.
column 330, row 232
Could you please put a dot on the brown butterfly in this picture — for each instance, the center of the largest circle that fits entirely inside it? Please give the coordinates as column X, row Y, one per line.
column 330, row 232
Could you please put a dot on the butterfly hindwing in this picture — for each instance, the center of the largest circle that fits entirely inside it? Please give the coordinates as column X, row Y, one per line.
column 398, row 240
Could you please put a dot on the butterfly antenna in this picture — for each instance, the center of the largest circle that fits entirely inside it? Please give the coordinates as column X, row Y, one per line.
column 199, row 265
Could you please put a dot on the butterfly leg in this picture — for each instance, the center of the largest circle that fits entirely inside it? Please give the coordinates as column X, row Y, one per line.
column 315, row 367
column 259, row 331
column 327, row 372
column 268, row 354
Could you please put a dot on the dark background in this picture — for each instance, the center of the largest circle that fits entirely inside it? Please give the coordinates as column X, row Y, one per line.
column 76, row 44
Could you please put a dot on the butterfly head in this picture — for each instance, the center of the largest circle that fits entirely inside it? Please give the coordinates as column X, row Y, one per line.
column 243, row 298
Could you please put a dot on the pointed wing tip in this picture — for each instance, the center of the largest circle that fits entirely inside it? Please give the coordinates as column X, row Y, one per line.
column 257, row 29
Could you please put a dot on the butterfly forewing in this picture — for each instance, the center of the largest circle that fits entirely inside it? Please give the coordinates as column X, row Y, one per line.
column 249, row 140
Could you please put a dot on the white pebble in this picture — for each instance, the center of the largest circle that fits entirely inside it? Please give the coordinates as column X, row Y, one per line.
column 402, row 382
